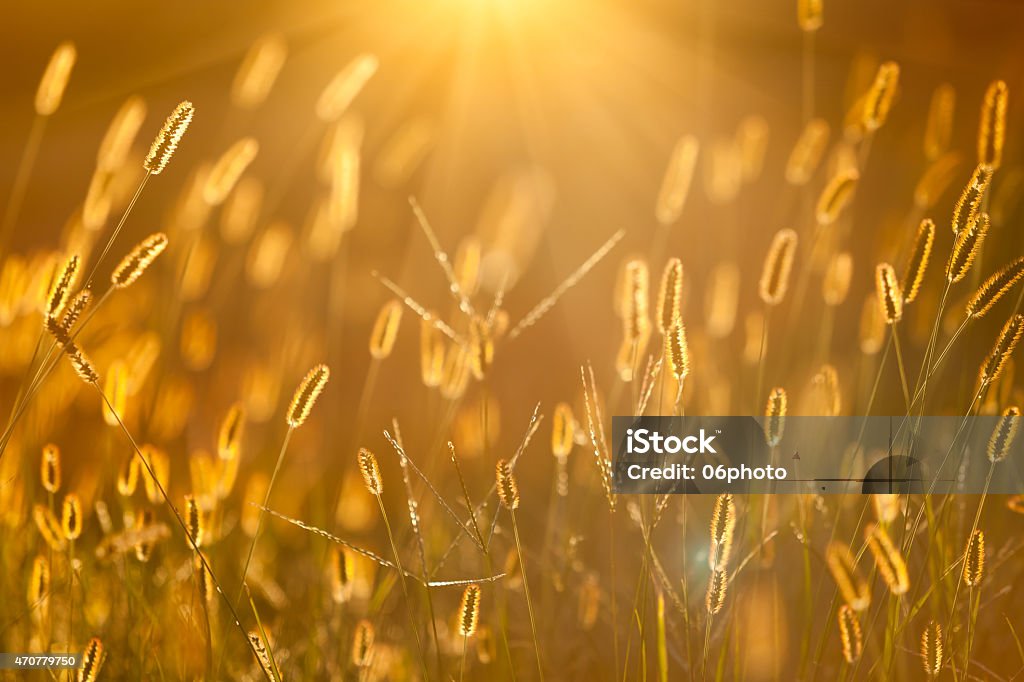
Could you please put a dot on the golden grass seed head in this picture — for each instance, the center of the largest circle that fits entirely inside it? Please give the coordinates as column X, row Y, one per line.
column 204, row 581
column 938, row 128
column 508, row 489
column 232, row 429
column 370, row 470
column 262, row 655
column 920, row 255
column 49, row 527
column 385, row 329
column 121, row 133
column 306, row 394
column 778, row 264
column 168, row 138
column 775, row 416
column 966, row 247
column 50, row 468
column 636, row 323
column 974, row 559
column 62, row 286
column 1005, row 344
column 82, row 365
column 115, row 388
column 228, row 169
column 259, row 69
column 563, row 430
column 836, row 282
column 880, row 96
column 677, row 351
column 481, row 347
column 890, row 298
column 341, row 574
column 806, row 154
column 888, row 559
column 994, row 288
column 362, row 644
column 670, row 295
column 852, row 587
column 723, row 526
column 55, row 79
column 161, row 467
column 888, row 507
column 850, row 634
column 931, row 649
column 194, row 520
column 432, row 358
column 968, row 205
column 469, row 610
column 128, row 476
column 138, row 259
column 39, row 583
column 809, row 15
column 1015, row 503
column 71, row 517
column 675, row 184
column 1004, row 435
column 73, row 312
column 718, row 583
column 92, row 661
column 836, row 196
column 992, row 125
column 345, row 86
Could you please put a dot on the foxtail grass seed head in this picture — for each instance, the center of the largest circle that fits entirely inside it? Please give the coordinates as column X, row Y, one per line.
column 714, row 600
column 670, row 295
column 481, row 347
column 50, row 468
column 92, row 661
column 890, row 298
column 232, row 428
column 55, row 79
column 71, row 517
column 887, row 507
column 345, row 86
column 913, row 275
column 262, row 656
column 81, row 364
column 723, row 525
column 469, row 610
column 677, row 351
column 966, row 247
column 141, row 257
column 968, row 205
column 992, row 126
column 341, row 574
column 850, row 634
column 194, row 520
column 938, row 128
column 778, row 264
column 931, row 649
column 888, row 559
column 879, row 98
column 431, row 354
column 115, row 388
column 974, row 559
column 1005, row 344
column 128, row 476
column 306, row 394
column 385, row 329
column 563, row 430
column 635, row 299
column 167, row 140
column 852, row 587
column 775, row 416
column 121, row 134
column 836, row 196
column 508, row 489
column 258, row 71
column 675, row 185
column 39, row 583
column 362, row 644
column 62, row 286
column 49, row 527
column 1004, row 435
column 836, row 283
column 994, row 288
column 228, row 170
column 370, row 470
column 809, row 15
column 806, row 154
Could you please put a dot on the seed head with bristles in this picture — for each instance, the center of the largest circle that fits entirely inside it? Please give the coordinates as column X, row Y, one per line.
column 775, row 416
column 48, row 527
column 888, row 559
column 141, row 257
column 1004, row 434
column 50, row 468
column 508, row 489
column 879, row 98
column 965, row 212
column 563, row 430
column 1009, row 336
column 992, row 127
column 669, row 295
column 469, row 610
column 370, row 470
column 362, row 644
column 677, row 352
column 92, row 661
column 232, row 428
column 166, row 141
column 931, row 649
column 778, row 264
column 71, row 517
column 306, row 394
column 385, row 329
column 62, row 287
column 723, row 525
column 994, row 288
column 974, row 559
column 194, row 520
column 966, row 247
column 841, row 563
column 890, row 298
column 913, row 275
column 836, row 196
column 850, row 634
column 714, row 600
column 39, row 583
